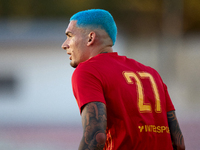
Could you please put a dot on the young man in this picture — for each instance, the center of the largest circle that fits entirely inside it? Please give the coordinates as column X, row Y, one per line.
column 124, row 104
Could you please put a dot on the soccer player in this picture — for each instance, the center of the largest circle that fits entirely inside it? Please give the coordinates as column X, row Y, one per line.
column 124, row 104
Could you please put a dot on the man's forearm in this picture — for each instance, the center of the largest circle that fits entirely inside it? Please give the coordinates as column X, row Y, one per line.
column 92, row 144
column 175, row 131
column 94, row 121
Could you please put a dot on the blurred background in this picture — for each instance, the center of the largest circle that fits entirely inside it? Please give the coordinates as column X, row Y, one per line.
column 37, row 107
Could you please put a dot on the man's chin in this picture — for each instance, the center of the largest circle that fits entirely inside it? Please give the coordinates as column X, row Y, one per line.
column 74, row 65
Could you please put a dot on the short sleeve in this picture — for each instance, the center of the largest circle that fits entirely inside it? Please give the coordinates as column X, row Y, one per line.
column 87, row 86
column 169, row 104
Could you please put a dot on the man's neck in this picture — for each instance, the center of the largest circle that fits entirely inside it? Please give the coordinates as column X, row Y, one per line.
column 106, row 50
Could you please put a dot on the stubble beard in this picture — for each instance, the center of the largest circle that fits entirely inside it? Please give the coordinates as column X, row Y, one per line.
column 73, row 64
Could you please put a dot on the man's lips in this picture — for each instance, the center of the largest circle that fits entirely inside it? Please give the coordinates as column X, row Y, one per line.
column 70, row 57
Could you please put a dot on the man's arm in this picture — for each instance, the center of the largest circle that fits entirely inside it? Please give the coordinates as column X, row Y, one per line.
column 175, row 131
column 94, row 122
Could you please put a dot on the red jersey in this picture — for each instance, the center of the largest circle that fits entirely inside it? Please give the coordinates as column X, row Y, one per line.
column 136, row 98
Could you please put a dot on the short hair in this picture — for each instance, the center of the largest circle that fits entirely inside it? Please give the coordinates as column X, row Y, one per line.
column 97, row 18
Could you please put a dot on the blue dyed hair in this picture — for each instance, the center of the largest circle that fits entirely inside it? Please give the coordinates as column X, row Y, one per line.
column 97, row 18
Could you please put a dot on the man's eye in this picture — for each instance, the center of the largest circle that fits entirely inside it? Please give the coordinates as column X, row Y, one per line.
column 69, row 35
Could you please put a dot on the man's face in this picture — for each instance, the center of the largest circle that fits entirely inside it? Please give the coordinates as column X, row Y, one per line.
column 76, row 44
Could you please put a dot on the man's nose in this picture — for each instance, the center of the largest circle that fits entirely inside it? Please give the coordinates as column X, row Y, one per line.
column 65, row 46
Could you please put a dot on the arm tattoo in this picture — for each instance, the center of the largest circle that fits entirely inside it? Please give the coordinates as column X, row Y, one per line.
column 94, row 121
column 175, row 131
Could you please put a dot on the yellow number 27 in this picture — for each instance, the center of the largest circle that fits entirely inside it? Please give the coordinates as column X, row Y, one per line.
column 144, row 107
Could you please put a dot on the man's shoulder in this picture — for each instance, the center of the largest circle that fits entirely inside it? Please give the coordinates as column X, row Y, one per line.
column 84, row 68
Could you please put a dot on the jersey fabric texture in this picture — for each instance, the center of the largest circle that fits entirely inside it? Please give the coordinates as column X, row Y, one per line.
column 136, row 99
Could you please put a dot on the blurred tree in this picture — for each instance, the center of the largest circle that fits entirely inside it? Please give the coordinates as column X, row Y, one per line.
column 137, row 16
column 191, row 16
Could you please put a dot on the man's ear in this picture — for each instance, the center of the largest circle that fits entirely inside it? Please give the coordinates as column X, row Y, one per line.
column 91, row 38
